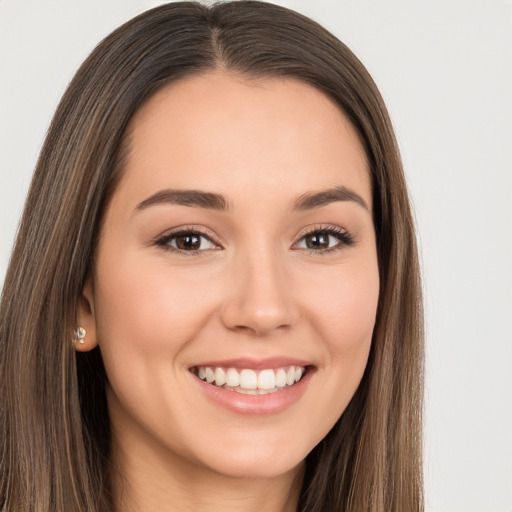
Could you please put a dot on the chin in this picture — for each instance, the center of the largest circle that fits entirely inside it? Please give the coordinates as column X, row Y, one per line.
column 257, row 468
column 262, row 459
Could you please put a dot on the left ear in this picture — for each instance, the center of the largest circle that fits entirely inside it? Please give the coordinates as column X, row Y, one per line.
column 87, row 319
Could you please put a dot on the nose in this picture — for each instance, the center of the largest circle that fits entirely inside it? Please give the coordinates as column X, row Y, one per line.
column 259, row 299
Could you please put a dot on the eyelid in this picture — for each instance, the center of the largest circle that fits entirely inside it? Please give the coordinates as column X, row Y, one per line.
column 346, row 239
column 163, row 239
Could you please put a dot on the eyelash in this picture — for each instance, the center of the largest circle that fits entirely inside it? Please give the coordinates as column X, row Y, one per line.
column 163, row 242
column 344, row 237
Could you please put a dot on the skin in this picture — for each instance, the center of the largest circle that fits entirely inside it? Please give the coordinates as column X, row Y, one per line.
column 255, row 290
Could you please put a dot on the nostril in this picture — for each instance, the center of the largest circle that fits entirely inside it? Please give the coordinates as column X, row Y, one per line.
column 259, row 328
column 246, row 318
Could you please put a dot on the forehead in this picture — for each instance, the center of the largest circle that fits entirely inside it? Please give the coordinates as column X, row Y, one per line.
column 224, row 132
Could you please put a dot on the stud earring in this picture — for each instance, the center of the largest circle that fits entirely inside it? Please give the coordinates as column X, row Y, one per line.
column 80, row 333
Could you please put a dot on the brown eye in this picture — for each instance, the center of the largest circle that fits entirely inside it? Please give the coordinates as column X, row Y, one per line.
column 188, row 242
column 318, row 241
column 325, row 240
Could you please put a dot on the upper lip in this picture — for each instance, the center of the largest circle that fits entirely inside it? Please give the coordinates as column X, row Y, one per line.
column 255, row 364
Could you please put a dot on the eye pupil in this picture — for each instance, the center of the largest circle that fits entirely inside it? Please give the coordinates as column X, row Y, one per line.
column 188, row 242
column 317, row 241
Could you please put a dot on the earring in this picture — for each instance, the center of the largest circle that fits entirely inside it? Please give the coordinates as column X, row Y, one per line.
column 80, row 333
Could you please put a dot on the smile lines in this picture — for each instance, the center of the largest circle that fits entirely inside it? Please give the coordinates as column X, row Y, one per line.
column 251, row 382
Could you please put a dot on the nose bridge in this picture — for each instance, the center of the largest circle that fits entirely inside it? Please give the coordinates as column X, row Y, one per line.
column 259, row 300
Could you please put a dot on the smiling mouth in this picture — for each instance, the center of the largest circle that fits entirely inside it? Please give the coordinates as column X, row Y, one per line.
column 251, row 382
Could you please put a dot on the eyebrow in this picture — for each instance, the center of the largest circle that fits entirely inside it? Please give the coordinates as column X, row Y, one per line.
column 194, row 198
column 313, row 200
column 213, row 201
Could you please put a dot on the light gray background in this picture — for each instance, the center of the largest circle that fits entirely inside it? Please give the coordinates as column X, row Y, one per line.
column 444, row 68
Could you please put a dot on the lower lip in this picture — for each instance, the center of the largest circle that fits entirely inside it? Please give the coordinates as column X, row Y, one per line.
column 256, row 405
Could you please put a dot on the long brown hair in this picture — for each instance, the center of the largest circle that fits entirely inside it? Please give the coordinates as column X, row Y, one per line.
column 54, row 426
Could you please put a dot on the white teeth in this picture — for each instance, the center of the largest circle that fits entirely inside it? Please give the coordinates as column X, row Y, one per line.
column 210, row 375
column 232, row 378
column 248, row 379
column 280, row 378
column 290, row 376
column 251, row 382
column 220, row 377
column 266, row 380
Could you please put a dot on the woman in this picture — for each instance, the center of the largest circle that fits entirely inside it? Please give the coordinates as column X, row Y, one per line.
column 214, row 297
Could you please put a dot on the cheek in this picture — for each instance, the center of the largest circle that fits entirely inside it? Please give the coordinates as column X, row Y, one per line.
column 142, row 311
column 343, row 313
column 341, row 309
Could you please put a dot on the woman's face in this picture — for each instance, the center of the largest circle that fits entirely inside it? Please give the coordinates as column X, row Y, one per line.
column 238, row 246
